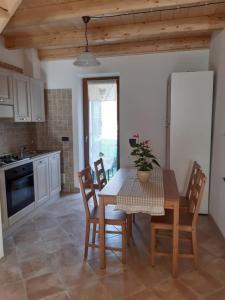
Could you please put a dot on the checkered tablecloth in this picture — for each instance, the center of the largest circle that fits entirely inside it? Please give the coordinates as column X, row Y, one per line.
column 135, row 197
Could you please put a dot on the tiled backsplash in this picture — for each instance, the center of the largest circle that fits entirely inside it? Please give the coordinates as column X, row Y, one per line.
column 47, row 135
column 58, row 124
column 14, row 135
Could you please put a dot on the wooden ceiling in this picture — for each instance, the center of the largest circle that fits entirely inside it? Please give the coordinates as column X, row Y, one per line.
column 7, row 9
column 55, row 27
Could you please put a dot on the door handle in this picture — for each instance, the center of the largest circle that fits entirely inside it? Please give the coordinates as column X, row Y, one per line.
column 86, row 139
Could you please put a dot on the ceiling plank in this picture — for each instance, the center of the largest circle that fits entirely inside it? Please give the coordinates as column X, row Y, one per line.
column 187, row 43
column 5, row 16
column 118, row 33
column 4, row 13
column 76, row 9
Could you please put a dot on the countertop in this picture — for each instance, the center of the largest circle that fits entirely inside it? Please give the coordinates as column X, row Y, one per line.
column 29, row 157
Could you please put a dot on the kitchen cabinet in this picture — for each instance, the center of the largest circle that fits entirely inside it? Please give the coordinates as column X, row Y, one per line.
column 55, row 175
column 41, row 180
column 22, row 102
column 6, row 87
column 37, row 100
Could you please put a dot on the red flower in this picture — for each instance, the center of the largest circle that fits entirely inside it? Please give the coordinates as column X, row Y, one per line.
column 136, row 136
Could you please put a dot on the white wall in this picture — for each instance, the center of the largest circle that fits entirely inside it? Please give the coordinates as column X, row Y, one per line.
column 13, row 57
column 143, row 93
column 217, row 195
column 26, row 59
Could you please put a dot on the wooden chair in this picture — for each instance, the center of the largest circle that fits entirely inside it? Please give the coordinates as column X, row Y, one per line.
column 185, row 203
column 187, row 221
column 100, row 173
column 92, row 215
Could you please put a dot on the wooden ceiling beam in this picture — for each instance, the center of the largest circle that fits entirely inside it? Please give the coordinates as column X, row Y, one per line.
column 5, row 16
column 4, row 13
column 76, row 9
column 187, row 43
column 118, row 33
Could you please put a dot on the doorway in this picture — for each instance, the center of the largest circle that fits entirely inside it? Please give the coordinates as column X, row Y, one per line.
column 101, row 123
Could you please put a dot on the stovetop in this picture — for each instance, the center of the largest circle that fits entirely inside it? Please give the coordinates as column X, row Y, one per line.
column 9, row 159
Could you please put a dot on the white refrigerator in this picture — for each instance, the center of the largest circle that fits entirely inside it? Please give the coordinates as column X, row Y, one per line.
column 189, row 125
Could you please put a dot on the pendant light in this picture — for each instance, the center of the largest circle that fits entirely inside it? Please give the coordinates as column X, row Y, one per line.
column 86, row 59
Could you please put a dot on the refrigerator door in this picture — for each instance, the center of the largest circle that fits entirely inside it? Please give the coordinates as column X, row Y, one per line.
column 190, row 122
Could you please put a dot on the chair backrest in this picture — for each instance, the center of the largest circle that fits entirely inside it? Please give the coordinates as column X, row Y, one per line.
column 87, row 189
column 194, row 173
column 100, row 173
column 195, row 168
column 197, row 195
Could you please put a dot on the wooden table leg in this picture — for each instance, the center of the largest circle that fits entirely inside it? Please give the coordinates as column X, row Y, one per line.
column 102, row 233
column 175, row 239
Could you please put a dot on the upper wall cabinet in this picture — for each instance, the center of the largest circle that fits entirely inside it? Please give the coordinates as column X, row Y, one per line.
column 37, row 100
column 6, row 87
column 22, row 103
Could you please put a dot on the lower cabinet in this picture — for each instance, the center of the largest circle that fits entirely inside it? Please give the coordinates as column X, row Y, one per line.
column 55, row 174
column 47, row 178
column 41, row 180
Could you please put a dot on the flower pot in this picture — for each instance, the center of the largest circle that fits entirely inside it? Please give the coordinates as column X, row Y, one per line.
column 143, row 176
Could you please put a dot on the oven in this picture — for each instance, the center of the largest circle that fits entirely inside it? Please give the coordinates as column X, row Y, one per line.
column 19, row 188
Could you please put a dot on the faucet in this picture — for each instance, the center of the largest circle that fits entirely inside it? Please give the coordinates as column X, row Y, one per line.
column 22, row 149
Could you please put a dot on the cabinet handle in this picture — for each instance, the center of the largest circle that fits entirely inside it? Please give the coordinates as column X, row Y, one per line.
column 22, row 119
column 2, row 100
column 38, row 119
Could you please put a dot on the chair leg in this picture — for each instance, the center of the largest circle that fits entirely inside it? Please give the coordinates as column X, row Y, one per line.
column 94, row 233
column 133, row 215
column 194, row 246
column 152, row 246
column 129, row 228
column 86, row 239
column 124, row 234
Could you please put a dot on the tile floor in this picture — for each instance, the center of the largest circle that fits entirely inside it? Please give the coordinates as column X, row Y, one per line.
column 44, row 260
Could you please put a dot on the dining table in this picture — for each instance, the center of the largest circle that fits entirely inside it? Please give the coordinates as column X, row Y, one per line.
column 108, row 196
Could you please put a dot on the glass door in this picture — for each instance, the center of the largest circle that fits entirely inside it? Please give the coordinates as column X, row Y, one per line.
column 101, row 123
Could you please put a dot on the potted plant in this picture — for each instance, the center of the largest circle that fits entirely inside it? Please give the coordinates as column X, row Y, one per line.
column 144, row 159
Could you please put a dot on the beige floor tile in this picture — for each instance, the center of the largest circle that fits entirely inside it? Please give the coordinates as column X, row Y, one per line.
column 77, row 275
column 48, row 253
column 45, row 222
column 216, row 268
column 93, row 291
column 13, row 291
column 30, row 250
column 43, row 286
column 21, row 238
column 219, row 295
column 60, row 296
column 68, row 256
column 149, row 275
column 122, row 284
column 200, row 281
column 52, row 233
column 35, row 266
column 146, row 294
column 173, row 289
column 113, row 262
column 9, row 274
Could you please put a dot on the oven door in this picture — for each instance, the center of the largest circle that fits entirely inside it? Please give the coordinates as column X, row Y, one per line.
column 20, row 193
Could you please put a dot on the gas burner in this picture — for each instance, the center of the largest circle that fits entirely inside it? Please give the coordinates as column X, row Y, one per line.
column 8, row 159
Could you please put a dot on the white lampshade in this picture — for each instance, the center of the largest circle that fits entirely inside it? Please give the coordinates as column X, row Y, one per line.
column 86, row 59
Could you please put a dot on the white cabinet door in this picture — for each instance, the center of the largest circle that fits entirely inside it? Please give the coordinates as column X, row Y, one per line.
column 190, row 126
column 37, row 100
column 41, row 180
column 6, row 89
column 55, row 175
column 22, row 103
